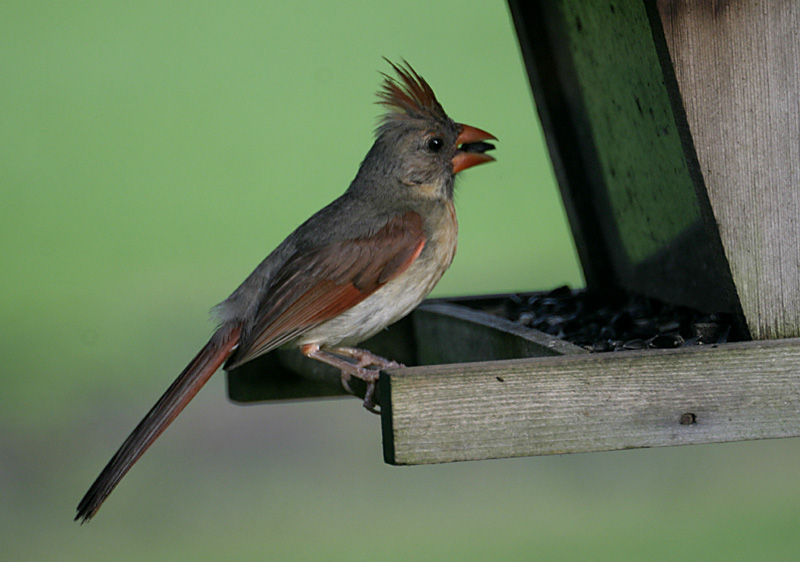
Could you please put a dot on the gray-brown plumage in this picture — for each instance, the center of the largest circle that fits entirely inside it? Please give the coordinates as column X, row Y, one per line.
column 359, row 264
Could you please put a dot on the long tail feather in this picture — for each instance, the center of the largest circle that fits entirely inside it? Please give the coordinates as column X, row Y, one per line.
column 171, row 403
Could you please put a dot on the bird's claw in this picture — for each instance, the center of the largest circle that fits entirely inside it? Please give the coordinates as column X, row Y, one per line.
column 369, row 398
column 370, row 378
column 354, row 362
column 346, row 382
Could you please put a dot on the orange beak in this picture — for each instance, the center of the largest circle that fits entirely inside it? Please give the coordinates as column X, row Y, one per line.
column 471, row 148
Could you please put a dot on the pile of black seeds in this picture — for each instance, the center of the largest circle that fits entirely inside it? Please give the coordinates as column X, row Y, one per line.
column 633, row 322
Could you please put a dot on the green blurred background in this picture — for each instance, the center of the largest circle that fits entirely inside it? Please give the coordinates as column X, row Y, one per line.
column 152, row 154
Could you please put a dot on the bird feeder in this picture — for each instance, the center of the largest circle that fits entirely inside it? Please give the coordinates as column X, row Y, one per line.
column 674, row 132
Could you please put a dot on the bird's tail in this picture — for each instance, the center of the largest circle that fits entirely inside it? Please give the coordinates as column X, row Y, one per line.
column 173, row 401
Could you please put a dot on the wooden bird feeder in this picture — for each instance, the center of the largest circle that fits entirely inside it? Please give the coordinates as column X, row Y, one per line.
column 674, row 131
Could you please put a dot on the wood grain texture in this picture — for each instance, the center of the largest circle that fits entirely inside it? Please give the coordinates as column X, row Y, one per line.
column 736, row 64
column 591, row 402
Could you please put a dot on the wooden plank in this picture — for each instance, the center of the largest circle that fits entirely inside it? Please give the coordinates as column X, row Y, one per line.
column 285, row 374
column 737, row 67
column 437, row 332
column 636, row 203
column 268, row 378
column 593, row 402
column 450, row 333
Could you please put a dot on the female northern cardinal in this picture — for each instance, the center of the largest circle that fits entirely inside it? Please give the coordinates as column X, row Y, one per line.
column 358, row 265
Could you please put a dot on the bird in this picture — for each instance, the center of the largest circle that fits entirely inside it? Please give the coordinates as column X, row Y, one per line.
column 359, row 264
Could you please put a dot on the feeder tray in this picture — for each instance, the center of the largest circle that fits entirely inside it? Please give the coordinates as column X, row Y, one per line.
column 672, row 128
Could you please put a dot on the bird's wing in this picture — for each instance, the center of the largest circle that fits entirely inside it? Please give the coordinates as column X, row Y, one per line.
column 315, row 286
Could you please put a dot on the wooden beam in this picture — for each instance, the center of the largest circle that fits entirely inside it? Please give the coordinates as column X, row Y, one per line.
column 593, row 402
column 737, row 67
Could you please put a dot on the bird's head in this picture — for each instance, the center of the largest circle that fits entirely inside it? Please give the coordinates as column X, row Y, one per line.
column 418, row 146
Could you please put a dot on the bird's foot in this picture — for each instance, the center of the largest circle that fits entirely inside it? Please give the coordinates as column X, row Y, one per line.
column 370, row 378
column 367, row 367
column 366, row 358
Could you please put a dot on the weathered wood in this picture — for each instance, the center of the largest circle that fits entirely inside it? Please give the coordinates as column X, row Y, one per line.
column 636, row 204
column 267, row 378
column 591, row 402
column 737, row 67
column 450, row 333
column 285, row 374
column 437, row 332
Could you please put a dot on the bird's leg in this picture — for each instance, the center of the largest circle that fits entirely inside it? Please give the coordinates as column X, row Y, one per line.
column 360, row 370
column 366, row 358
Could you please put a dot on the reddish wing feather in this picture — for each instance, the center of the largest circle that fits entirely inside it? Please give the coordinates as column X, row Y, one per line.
column 317, row 286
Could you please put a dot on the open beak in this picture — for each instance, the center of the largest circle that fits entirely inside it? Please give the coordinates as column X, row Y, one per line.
column 471, row 148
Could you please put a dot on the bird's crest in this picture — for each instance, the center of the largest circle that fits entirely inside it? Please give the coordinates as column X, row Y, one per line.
column 407, row 96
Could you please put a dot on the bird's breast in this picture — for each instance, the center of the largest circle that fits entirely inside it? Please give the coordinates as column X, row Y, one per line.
column 402, row 294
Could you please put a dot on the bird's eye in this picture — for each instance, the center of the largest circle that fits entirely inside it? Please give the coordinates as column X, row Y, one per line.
column 435, row 144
